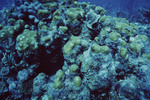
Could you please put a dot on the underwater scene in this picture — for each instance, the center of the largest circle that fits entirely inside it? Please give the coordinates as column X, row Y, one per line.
column 74, row 49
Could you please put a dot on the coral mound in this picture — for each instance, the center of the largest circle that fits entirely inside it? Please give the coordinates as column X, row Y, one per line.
column 70, row 50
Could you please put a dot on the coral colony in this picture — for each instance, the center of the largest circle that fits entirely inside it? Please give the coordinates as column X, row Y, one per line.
column 70, row 50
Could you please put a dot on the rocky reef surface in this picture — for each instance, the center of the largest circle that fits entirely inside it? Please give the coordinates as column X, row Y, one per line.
column 70, row 50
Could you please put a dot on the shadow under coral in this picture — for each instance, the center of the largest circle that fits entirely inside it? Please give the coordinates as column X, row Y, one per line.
column 51, row 58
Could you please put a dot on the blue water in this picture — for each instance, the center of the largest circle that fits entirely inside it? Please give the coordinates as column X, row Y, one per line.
column 6, row 3
column 127, row 5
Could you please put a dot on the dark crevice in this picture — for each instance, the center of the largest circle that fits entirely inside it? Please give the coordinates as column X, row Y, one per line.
column 51, row 62
column 98, row 94
column 94, row 34
column 5, row 95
